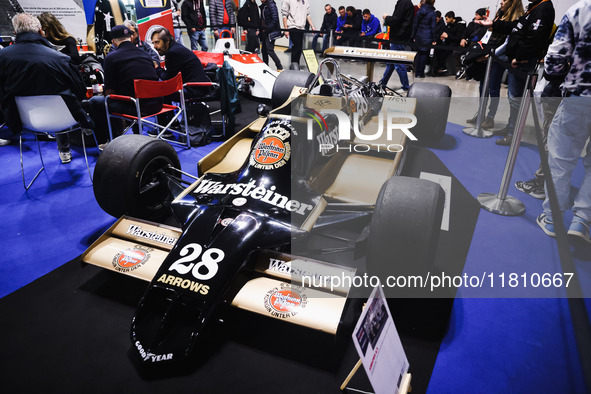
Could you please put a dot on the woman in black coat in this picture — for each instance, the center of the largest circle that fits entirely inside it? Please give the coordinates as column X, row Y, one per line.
column 424, row 35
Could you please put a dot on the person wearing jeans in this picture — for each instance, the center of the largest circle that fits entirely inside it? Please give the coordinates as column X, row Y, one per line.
column 193, row 14
column 568, row 57
column 400, row 24
column 329, row 22
column 400, row 70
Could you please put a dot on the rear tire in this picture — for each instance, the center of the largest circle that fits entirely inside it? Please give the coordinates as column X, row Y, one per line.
column 285, row 82
column 125, row 180
column 433, row 101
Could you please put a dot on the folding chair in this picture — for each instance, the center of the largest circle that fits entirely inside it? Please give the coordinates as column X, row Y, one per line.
column 214, row 96
column 153, row 89
column 46, row 115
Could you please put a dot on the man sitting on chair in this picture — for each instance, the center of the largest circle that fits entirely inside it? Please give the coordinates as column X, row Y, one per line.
column 32, row 67
column 178, row 58
column 121, row 67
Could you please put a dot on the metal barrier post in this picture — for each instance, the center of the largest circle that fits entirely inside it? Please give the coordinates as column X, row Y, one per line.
column 330, row 38
column 500, row 203
column 477, row 130
column 238, row 37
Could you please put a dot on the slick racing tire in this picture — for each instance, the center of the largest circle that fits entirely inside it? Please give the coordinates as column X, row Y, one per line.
column 405, row 226
column 433, row 101
column 125, row 180
column 285, row 82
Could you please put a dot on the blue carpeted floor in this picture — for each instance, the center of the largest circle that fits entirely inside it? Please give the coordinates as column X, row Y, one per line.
column 493, row 345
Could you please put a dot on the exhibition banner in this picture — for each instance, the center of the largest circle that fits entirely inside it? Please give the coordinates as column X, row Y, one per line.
column 69, row 12
column 152, row 15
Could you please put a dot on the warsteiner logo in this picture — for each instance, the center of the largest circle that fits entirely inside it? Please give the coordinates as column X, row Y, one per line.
column 285, row 301
column 273, row 150
column 269, row 151
column 131, row 259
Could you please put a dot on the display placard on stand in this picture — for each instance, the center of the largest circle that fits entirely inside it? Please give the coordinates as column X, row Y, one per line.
column 379, row 347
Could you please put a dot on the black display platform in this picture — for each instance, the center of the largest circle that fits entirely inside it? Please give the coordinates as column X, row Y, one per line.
column 68, row 332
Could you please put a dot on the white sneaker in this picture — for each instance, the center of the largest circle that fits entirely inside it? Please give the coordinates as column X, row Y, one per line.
column 4, row 142
column 65, row 157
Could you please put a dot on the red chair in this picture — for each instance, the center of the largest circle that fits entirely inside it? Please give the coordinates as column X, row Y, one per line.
column 154, row 89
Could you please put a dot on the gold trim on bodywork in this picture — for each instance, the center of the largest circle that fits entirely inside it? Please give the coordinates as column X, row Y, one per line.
column 154, row 240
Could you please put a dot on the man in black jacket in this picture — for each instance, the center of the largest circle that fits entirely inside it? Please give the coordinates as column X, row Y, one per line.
column 475, row 31
column 122, row 67
column 329, row 22
column 452, row 36
column 193, row 14
column 178, row 59
column 351, row 28
column 529, row 38
column 32, row 67
column 248, row 18
column 400, row 24
column 270, row 31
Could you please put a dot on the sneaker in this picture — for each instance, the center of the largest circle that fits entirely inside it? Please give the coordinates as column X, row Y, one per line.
column 531, row 188
column 505, row 141
column 488, row 123
column 473, row 119
column 4, row 142
column 65, row 157
column 460, row 74
column 102, row 147
column 546, row 225
column 579, row 228
column 502, row 132
column 401, row 90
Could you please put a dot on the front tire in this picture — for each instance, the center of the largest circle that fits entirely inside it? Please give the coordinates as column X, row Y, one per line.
column 126, row 180
column 404, row 229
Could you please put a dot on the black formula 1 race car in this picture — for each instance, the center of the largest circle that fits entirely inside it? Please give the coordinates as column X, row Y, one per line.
column 246, row 231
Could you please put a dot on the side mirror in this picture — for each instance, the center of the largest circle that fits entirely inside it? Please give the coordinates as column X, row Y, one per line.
column 263, row 110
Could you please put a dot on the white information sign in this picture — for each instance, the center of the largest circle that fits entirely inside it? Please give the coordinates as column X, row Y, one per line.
column 378, row 344
column 445, row 182
column 69, row 12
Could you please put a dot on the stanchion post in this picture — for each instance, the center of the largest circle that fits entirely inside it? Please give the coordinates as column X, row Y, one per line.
column 500, row 203
column 477, row 130
column 330, row 38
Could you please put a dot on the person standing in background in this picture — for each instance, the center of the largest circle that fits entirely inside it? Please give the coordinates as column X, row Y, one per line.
column 193, row 14
column 295, row 13
column 400, row 24
column 221, row 15
column 526, row 45
column 270, row 31
column 423, row 34
column 176, row 21
column 249, row 19
column 569, row 57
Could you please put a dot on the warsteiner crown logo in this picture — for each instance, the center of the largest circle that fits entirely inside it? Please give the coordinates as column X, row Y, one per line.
column 273, row 150
column 131, row 259
column 285, row 301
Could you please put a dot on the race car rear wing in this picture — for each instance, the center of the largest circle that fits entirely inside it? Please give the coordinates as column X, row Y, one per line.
column 371, row 56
